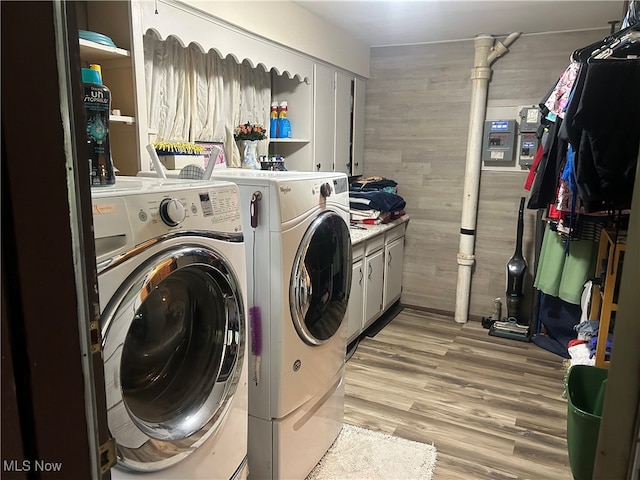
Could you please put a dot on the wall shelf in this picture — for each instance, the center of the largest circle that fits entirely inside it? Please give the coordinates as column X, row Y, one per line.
column 94, row 52
column 289, row 140
column 122, row 119
column 113, row 19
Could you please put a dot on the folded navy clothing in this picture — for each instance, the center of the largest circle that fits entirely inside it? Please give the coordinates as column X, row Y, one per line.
column 374, row 184
column 383, row 201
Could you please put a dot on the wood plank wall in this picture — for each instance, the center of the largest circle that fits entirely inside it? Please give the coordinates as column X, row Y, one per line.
column 417, row 116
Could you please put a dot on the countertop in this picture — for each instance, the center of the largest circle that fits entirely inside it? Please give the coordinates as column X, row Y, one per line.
column 361, row 232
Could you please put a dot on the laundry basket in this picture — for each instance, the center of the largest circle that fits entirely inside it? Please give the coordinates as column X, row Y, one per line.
column 586, row 386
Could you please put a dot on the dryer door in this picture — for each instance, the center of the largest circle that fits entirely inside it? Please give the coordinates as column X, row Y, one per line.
column 173, row 343
column 321, row 279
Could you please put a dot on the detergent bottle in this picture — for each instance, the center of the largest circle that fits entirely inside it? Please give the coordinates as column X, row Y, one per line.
column 284, row 126
column 273, row 124
column 97, row 104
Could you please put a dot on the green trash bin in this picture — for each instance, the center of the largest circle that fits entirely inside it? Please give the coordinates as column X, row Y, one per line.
column 586, row 386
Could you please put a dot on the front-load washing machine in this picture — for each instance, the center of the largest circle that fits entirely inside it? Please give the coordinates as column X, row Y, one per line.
column 296, row 227
column 172, row 286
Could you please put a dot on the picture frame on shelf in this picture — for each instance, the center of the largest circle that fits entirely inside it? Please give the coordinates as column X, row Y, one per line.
column 214, row 151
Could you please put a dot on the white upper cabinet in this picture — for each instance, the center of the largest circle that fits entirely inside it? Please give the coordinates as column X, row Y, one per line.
column 343, row 123
column 324, row 88
column 332, row 120
column 357, row 127
column 319, row 97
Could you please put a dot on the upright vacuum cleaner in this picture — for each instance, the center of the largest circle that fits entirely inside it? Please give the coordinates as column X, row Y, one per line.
column 516, row 270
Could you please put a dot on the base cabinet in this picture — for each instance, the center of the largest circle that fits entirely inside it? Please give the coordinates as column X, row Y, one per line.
column 373, row 285
column 376, row 282
column 354, row 321
column 394, row 256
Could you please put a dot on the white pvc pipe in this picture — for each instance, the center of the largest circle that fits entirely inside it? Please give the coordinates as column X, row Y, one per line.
column 485, row 54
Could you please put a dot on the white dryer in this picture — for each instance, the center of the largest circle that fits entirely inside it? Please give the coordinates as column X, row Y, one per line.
column 296, row 227
column 172, row 282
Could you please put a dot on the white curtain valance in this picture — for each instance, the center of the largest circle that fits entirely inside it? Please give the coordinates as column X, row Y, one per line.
column 192, row 95
column 192, row 26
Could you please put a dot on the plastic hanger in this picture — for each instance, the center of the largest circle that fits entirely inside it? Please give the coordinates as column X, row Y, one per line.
column 622, row 48
column 583, row 54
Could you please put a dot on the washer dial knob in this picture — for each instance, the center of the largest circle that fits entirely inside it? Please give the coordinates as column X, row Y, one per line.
column 325, row 190
column 172, row 211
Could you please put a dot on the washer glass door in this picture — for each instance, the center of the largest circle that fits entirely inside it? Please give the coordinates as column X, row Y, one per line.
column 321, row 279
column 173, row 344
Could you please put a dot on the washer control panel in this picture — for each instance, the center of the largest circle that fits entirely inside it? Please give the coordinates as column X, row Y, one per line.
column 130, row 218
column 204, row 208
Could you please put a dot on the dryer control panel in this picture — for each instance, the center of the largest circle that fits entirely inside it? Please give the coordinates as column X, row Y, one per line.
column 299, row 197
column 341, row 185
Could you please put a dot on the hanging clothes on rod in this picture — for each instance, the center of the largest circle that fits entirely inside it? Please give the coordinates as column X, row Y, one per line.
column 599, row 121
column 607, row 153
column 585, row 170
column 602, row 123
column 587, row 164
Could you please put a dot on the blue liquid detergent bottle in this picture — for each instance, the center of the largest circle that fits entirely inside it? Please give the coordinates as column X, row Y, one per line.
column 284, row 126
column 273, row 124
column 97, row 105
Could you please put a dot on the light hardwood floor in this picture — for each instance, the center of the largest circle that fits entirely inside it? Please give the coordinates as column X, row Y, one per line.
column 493, row 407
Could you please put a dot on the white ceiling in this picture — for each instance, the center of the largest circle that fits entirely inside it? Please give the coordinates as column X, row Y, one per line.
column 378, row 23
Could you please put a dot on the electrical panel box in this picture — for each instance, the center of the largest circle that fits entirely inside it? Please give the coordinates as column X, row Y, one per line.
column 529, row 119
column 498, row 140
column 528, row 147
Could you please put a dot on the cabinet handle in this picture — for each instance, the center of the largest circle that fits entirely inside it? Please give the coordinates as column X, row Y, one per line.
column 390, row 258
column 357, row 163
column 370, row 270
column 318, row 165
column 361, row 277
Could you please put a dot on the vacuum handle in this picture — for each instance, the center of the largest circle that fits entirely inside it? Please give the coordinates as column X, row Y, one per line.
column 520, row 232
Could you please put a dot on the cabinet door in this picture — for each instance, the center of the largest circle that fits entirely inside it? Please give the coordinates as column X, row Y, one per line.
column 373, row 284
column 343, row 123
column 354, row 322
column 394, row 255
column 357, row 137
column 324, row 118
